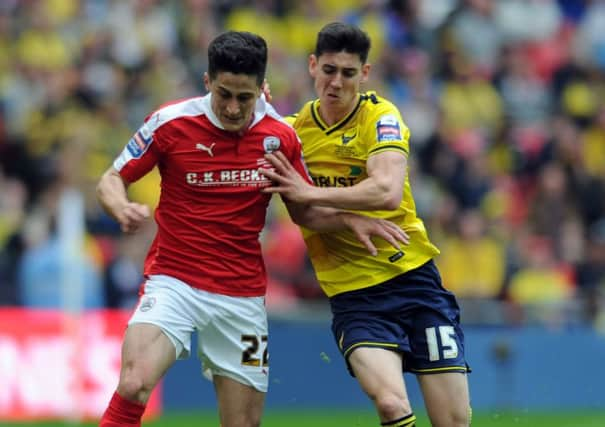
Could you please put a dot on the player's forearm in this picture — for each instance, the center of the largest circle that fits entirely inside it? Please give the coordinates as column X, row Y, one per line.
column 111, row 193
column 318, row 218
column 369, row 194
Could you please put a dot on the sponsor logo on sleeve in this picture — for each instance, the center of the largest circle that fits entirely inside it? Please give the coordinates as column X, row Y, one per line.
column 388, row 129
column 139, row 143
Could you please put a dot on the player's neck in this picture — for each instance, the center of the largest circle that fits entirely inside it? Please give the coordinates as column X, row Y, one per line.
column 333, row 114
column 244, row 129
column 330, row 117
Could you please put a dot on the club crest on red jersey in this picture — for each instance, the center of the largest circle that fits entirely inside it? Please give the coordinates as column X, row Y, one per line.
column 147, row 303
column 271, row 144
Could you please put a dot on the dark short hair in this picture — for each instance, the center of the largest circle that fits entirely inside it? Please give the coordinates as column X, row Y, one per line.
column 238, row 52
column 338, row 37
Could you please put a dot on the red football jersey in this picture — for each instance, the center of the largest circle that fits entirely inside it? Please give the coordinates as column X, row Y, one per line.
column 211, row 210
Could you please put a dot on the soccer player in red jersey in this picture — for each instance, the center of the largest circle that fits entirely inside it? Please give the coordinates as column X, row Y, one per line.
column 204, row 270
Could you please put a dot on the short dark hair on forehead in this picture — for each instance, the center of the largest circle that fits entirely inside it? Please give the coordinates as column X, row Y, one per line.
column 238, row 52
column 339, row 37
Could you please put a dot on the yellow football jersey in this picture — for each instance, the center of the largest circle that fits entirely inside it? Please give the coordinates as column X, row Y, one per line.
column 336, row 156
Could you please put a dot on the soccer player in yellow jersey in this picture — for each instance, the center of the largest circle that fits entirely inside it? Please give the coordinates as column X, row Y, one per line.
column 390, row 311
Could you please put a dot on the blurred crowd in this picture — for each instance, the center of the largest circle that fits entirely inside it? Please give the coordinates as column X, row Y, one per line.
column 504, row 99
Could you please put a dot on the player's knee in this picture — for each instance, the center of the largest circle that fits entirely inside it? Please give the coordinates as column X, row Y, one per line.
column 461, row 417
column 391, row 406
column 247, row 423
column 255, row 422
column 253, row 419
column 456, row 418
column 245, row 420
column 133, row 387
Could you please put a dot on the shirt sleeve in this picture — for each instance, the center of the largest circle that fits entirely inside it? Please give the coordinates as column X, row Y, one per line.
column 290, row 119
column 386, row 131
column 297, row 159
column 139, row 156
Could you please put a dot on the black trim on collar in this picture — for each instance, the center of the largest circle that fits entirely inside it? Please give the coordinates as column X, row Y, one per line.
column 319, row 123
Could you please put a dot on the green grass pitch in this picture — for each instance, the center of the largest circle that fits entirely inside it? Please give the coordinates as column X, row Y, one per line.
column 338, row 418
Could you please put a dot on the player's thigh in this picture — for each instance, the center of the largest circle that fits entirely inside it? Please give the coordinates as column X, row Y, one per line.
column 170, row 304
column 239, row 405
column 378, row 371
column 147, row 353
column 234, row 343
column 445, row 394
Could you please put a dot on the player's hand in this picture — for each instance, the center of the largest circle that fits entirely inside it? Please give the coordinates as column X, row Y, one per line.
column 288, row 181
column 132, row 216
column 365, row 228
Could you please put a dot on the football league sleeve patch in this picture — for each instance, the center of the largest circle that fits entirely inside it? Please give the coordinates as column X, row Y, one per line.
column 388, row 129
column 139, row 143
column 136, row 147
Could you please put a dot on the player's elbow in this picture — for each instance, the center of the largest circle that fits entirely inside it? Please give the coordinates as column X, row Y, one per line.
column 103, row 185
column 300, row 214
column 100, row 188
column 391, row 202
column 302, row 219
column 390, row 197
column 111, row 190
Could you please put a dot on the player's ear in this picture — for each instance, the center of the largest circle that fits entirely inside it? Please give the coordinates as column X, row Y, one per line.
column 266, row 90
column 207, row 81
column 365, row 72
column 313, row 64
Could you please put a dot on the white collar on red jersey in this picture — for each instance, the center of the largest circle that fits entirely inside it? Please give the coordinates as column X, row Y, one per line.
column 262, row 109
